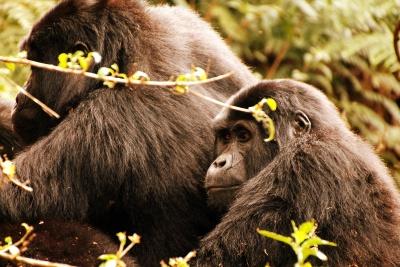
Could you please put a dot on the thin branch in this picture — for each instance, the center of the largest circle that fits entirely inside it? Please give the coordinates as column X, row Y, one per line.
column 31, row 261
column 23, row 185
column 109, row 78
column 34, row 99
column 281, row 54
column 6, row 255
column 223, row 104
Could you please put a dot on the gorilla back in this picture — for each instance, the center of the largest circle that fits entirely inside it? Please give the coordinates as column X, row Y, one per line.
column 121, row 159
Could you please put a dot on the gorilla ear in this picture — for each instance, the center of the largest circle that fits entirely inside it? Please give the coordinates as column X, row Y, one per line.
column 302, row 123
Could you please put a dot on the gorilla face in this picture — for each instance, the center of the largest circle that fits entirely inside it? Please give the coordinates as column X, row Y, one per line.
column 240, row 149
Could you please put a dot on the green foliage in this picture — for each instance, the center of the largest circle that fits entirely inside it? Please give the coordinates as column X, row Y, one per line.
column 15, row 248
column 115, row 260
column 179, row 261
column 303, row 241
column 16, row 19
column 197, row 74
column 343, row 47
column 78, row 60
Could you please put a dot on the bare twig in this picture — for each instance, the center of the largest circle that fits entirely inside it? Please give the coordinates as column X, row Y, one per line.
column 8, row 169
column 5, row 254
column 33, row 262
column 220, row 103
column 34, row 99
column 281, row 54
column 23, row 185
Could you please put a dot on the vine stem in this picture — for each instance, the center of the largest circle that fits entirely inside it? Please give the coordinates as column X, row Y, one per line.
column 50, row 67
column 220, row 103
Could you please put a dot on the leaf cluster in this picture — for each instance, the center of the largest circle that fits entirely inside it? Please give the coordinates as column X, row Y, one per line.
column 303, row 241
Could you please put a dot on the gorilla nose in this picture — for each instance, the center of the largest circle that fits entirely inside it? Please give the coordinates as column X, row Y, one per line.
column 223, row 162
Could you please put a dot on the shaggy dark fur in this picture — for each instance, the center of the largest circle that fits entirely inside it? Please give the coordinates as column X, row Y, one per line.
column 62, row 242
column 68, row 242
column 323, row 172
column 121, row 159
column 10, row 143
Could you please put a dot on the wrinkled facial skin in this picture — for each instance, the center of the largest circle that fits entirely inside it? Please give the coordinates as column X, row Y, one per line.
column 241, row 153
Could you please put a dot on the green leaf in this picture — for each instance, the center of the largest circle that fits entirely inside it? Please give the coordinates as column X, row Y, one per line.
column 62, row 60
column 109, row 84
column 103, row 71
column 139, row 76
column 304, row 231
column 115, row 67
column 22, row 54
column 199, row 74
column 285, row 239
column 271, row 104
column 10, row 66
column 107, row 257
column 8, row 240
column 83, row 63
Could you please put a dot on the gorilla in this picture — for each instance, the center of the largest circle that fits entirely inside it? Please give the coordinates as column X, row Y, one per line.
column 64, row 242
column 315, row 168
column 131, row 159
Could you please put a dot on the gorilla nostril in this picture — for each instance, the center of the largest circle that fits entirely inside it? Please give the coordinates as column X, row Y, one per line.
column 221, row 163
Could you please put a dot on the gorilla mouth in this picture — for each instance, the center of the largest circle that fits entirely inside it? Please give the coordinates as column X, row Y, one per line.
column 217, row 188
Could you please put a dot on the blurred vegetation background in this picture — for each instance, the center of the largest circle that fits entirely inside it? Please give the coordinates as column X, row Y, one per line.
column 344, row 47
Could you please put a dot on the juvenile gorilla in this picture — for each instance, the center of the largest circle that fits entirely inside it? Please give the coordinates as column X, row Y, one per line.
column 121, row 159
column 315, row 168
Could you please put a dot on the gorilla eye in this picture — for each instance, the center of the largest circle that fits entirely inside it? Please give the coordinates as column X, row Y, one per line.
column 225, row 136
column 243, row 135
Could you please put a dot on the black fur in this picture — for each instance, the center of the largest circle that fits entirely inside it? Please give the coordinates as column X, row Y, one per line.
column 327, row 174
column 57, row 241
column 121, row 159
column 63, row 242
column 10, row 143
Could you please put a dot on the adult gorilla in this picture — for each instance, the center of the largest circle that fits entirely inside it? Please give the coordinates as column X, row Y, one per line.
column 120, row 158
column 315, row 168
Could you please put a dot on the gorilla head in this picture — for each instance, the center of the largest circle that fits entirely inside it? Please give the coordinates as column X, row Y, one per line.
column 71, row 26
column 240, row 147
